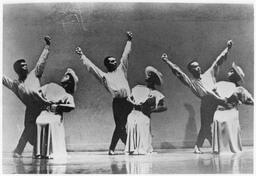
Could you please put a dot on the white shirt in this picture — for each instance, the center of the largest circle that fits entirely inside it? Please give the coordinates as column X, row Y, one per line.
column 115, row 82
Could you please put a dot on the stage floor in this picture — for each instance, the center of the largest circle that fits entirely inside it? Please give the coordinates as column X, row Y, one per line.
column 171, row 161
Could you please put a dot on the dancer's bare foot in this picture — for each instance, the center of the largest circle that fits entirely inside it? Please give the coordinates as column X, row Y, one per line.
column 197, row 150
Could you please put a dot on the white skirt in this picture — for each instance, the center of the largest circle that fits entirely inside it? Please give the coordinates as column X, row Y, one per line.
column 138, row 133
column 226, row 131
column 57, row 133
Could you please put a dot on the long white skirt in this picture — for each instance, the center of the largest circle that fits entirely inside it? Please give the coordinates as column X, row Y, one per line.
column 138, row 134
column 226, row 131
column 56, row 140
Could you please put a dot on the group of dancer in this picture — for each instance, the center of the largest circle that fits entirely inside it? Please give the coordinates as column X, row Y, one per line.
column 132, row 108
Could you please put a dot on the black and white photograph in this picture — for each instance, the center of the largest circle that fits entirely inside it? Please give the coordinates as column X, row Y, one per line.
column 140, row 87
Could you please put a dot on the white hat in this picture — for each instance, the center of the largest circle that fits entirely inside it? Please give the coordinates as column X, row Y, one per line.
column 239, row 71
column 73, row 74
column 159, row 75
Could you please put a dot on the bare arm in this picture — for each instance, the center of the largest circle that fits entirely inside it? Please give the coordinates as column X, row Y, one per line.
column 245, row 96
column 65, row 106
column 40, row 65
column 160, row 107
column 221, row 101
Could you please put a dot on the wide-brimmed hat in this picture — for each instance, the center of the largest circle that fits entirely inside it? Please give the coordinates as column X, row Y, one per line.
column 73, row 74
column 239, row 71
column 159, row 75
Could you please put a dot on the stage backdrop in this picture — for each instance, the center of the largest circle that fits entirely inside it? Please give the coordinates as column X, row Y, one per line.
column 183, row 31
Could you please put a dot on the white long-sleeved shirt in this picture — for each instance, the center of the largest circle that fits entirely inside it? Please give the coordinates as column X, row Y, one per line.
column 206, row 83
column 115, row 82
column 27, row 91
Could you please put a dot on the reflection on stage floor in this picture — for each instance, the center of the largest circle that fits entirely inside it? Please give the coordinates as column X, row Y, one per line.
column 171, row 161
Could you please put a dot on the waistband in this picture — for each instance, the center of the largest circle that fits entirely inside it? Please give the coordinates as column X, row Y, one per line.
column 137, row 107
column 221, row 108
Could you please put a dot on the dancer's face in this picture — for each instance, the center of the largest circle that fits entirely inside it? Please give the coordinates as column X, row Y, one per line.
column 195, row 69
column 151, row 79
column 233, row 76
column 23, row 69
column 111, row 64
column 65, row 80
column 231, row 72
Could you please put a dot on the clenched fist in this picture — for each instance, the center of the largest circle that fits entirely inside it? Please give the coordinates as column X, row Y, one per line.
column 164, row 57
column 79, row 51
column 229, row 44
column 47, row 40
column 129, row 35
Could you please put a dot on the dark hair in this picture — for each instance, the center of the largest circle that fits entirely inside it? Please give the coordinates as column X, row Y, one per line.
column 71, row 84
column 17, row 65
column 189, row 64
column 106, row 60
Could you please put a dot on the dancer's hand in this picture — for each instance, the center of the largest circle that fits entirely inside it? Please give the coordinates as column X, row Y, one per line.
column 164, row 57
column 129, row 35
column 79, row 51
column 229, row 44
column 53, row 107
column 47, row 40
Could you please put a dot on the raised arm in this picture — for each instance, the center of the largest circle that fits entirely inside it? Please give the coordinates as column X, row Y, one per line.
column 90, row 66
column 178, row 72
column 40, row 65
column 9, row 83
column 126, row 52
column 220, row 59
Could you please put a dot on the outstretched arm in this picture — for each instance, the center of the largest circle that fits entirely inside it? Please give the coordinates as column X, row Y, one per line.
column 90, row 66
column 40, row 65
column 67, row 105
column 220, row 59
column 218, row 99
column 160, row 107
column 245, row 96
column 126, row 52
column 9, row 83
column 179, row 74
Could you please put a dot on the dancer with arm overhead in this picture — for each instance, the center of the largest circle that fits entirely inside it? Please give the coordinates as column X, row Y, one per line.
column 115, row 81
column 202, row 85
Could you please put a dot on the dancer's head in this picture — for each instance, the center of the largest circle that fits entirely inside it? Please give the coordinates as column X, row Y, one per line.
column 153, row 77
column 110, row 63
column 235, row 74
column 21, row 68
column 194, row 68
column 69, row 81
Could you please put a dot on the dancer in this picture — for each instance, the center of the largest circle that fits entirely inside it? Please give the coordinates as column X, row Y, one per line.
column 202, row 85
column 115, row 81
column 146, row 99
column 26, row 89
column 226, row 127
column 50, row 126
